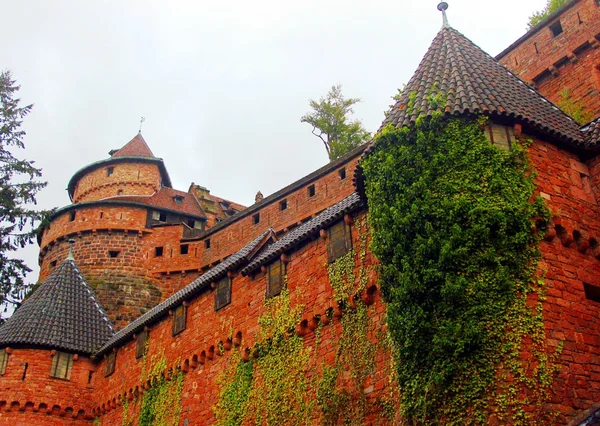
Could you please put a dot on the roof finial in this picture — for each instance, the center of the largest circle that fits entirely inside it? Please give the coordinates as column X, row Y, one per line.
column 443, row 6
column 141, row 122
column 71, row 243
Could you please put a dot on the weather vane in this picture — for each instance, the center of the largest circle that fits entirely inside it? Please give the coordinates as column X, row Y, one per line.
column 442, row 7
column 141, row 122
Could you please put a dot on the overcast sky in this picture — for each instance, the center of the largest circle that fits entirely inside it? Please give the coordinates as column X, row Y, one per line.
column 222, row 84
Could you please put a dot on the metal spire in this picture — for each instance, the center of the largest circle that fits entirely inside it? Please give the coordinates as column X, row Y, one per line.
column 442, row 7
column 70, row 256
column 141, row 123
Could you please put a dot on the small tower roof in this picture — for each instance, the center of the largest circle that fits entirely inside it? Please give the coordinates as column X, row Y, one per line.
column 136, row 147
column 472, row 82
column 61, row 314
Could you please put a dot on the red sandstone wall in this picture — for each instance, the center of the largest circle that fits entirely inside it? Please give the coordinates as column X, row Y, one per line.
column 571, row 57
column 309, row 285
column 569, row 260
column 131, row 178
column 38, row 399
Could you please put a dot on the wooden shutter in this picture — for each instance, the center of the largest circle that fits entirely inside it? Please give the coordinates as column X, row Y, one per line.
column 340, row 241
column 179, row 319
column 111, row 360
column 275, row 278
column 223, row 293
column 61, row 365
column 141, row 346
column 3, row 361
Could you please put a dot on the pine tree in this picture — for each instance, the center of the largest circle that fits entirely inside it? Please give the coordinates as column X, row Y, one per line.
column 18, row 188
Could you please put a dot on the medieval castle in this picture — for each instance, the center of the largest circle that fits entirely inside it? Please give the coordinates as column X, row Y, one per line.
column 146, row 287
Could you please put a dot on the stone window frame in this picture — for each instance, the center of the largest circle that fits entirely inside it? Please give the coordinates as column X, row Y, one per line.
column 111, row 361
column 275, row 281
column 141, row 343
column 340, row 240
column 3, row 361
column 223, row 292
column 62, row 365
column 179, row 319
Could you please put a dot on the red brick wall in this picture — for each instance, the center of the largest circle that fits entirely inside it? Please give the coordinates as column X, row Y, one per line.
column 39, row 399
column 573, row 58
column 569, row 261
column 131, row 178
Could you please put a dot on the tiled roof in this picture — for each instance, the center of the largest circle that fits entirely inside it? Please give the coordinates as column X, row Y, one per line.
column 136, row 147
column 475, row 83
column 61, row 314
column 233, row 262
column 305, row 231
column 165, row 199
column 592, row 132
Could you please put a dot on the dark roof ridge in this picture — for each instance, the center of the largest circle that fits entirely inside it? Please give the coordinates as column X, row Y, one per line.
column 536, row 28
column 62, row 313
column 188, row 292
column 286, row 190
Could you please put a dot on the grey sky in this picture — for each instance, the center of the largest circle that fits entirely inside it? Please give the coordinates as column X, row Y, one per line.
column 222, row 84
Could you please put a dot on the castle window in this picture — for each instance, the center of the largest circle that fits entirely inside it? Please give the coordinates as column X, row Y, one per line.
column 340, row 241
column 556, row 28
column 592, row 292
column 110, row 171
column 53, row 264
column 207, row 243
column 62, row 363
column 120, row 192
column 275, row 278
column 283, row 205
column 342, row 173
column 72, row 216
column 223, row 293
column 3, row 361
column 256, row 218
column 158, row 251
column 179, row 319
column 111, row 360
column 311, row 191
column 113, row 253
column 178, row 199
column 501, row 136
column 141, row 344
column 184, row 249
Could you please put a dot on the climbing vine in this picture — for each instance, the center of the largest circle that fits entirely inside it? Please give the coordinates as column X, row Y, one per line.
column 452, row 225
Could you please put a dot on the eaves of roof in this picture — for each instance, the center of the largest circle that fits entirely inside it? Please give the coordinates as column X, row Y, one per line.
column 166, row 180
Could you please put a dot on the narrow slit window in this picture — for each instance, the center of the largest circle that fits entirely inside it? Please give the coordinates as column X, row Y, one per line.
column 275, row 278
column 72, row 216
column 556, row 28
column 342, row 173
column 3, row 361
column 62, row 363
column 256, row 219
column 283, row 205
column 111, row 360
column 223, row 293
column 207, row 243
column 340, row 241
column 311, row 191
column 110, row 171
column 158, row 251
column 184, row 249
column 53, row 264
column 179, row 319
column 141, row 344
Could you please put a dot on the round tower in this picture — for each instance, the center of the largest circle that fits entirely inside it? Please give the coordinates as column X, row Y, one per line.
column 117, row 203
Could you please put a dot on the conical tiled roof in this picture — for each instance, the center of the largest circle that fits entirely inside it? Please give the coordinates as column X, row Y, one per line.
column 61, row 314
column 136, row 147
column 474, row 82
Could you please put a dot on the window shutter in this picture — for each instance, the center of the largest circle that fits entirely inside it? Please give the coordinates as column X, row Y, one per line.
column 179, row 319
column 275, row 279
column 340, row 240
column 3, row 361
column 142, row 339
column 223, row 293
column 61, row 365
column 111, row 360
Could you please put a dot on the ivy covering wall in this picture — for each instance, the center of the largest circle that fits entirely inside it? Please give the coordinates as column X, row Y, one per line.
column 456, row 229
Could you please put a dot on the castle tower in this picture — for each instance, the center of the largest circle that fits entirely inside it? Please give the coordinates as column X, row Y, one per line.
column 123, row 208
column 46, row 348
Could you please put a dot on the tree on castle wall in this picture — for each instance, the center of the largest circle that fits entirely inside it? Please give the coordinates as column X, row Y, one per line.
column 551, row 7
column 331, row 123
column 19, row 185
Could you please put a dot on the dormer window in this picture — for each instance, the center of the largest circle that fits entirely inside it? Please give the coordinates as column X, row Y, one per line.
column 556, row 28
column 178, row 199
